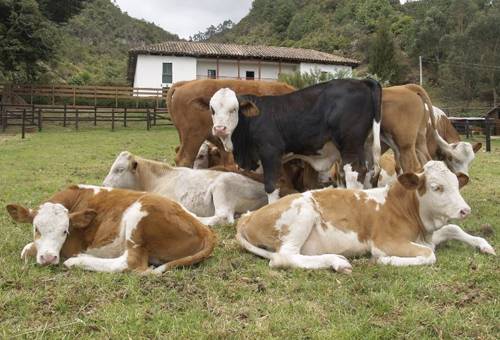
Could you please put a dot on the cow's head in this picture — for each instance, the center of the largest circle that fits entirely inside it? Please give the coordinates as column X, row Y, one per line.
column 226, row 107
column 208, row 156
column 123, row 172
column 458, row 156
column 437, row 191
column 51, row 225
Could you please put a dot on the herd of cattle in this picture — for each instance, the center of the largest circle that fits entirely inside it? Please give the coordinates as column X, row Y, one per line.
column 306, row 170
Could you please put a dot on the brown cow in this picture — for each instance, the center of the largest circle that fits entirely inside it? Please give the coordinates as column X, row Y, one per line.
column 188, row 103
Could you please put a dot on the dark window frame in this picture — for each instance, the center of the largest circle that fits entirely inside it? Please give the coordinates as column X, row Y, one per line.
column 167, row 73
column 247, row 77
column 211, row 74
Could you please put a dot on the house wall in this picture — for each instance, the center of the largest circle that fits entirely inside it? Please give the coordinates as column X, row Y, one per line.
column 309, row 67
column 149, row 68
column 229, row 68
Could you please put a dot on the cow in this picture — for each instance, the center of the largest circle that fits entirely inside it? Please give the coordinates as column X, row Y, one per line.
column 188, row 104
column 209, row 156
column 338, row 114
column 413, row 130
column 399, row 225
column 214, row 195
column 112, row 230
column 457, row 155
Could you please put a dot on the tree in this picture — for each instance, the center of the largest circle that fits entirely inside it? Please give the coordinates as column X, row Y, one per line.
column 60, row 11
column 212, row 31
column 27, row 40
column 382, row 54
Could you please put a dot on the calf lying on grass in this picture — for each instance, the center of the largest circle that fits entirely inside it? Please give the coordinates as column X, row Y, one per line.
column 399, row 225
column 112, row 230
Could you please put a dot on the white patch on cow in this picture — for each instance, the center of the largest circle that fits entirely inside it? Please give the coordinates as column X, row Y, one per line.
column 376, row 147
column 386, row 179
column 52, row 222
column 96, row 188
column 351, row 178
column 274, row 196
column 357, row 195
column 377, row 194
column 408, row 261
column 130, row 219
column 454, row 232
column 462, row 155
column 321, row 162
column 121, row 175
column 97, row 264
column 442, row 200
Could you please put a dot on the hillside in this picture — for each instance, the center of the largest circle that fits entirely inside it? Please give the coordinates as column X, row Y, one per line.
column 95, row 43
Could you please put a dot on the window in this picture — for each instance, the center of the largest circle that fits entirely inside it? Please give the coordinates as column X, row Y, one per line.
column 250, row 75
column 212, row 74
column 167, row 73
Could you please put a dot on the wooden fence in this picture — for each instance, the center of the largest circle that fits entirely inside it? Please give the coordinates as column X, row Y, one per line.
column 53, row 92
column 36, row 116
column 466, row 125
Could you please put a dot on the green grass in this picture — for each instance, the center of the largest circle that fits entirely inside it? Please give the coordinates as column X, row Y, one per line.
column 232, row 294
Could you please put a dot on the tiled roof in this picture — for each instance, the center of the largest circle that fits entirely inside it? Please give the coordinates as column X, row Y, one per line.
column 233, row 51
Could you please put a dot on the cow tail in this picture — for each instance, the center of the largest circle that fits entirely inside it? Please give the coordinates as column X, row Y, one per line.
column 246, row 244
column 208, row 245
column 376, row 92
column 419, row 90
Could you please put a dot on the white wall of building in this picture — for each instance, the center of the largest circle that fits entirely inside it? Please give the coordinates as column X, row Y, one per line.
column 149, row 68
column 309, row 67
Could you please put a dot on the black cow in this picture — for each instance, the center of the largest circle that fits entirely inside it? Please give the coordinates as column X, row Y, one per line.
column 303, row 122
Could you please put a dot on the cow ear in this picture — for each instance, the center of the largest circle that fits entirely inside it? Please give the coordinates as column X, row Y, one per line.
column 201, row 103
column 249, row 109
column 476, row 147
column 411, row 181
column 81, row 219
column 463, row 179
column 20, row 214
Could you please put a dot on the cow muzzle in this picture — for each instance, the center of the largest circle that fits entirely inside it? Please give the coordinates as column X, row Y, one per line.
column 48, row 259
column 220, row 131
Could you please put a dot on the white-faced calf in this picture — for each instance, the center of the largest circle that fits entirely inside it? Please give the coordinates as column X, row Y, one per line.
column 399, row 224
column 113, row 230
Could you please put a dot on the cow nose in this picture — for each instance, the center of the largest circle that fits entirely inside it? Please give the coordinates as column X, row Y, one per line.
column 220, row 130
column 465, row 212
column 48, row 259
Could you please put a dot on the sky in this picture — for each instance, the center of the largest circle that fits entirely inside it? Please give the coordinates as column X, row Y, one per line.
column 186, row 17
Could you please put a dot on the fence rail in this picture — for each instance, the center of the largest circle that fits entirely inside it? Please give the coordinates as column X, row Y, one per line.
column 35, row 116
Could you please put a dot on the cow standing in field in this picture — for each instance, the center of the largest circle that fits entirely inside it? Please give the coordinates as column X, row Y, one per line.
column 314, row 121
column 214, row 195
column 188, row 105
column 112, row 230
column 399, row 225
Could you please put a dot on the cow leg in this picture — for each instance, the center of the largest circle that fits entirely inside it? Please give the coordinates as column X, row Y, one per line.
column 28, row 251
column 97, row 264
column 189, row 149
column 408, row 159
column 405, row 254
column 454, row 232
column 271, row 163
column 338, row 262
column 356, row 160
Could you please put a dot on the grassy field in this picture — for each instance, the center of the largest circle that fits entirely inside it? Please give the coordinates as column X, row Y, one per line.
column 232, row 294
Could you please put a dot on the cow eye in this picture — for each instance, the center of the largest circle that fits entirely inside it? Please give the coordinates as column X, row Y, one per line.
column 437, row 187
column 212, row 110
column 119, row 170
column 66, row 232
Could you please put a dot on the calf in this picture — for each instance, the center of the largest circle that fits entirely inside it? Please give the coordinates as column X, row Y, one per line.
column 110, row 230
column 338, row 114
column 214, row 195
column 187, row 103
column 399, row 225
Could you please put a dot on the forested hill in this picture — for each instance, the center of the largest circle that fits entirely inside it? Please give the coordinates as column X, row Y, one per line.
column 70, row 41
column 95, row 43
column 458, row 39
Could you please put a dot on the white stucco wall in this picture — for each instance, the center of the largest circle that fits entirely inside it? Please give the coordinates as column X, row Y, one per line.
column 309, row 67
column 149, row 68
column 229, row 68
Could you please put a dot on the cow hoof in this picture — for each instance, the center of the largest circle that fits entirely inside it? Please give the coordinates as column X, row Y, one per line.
column 347, row 271
column 341, row 265
column 487, row 250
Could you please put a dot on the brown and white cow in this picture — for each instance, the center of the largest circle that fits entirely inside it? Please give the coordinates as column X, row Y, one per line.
column 114, row 230
column 188, row 104
column 399, row 225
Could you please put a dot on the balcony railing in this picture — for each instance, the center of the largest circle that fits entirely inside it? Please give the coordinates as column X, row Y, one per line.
column 199, row 76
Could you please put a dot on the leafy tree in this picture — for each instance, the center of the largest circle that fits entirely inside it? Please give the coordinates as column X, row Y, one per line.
column 382, row 55
column 212, row 31
column 60, row 11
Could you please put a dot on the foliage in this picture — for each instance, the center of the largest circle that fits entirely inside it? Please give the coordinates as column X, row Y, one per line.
column 60, row 10
column 213, row 31
column 233, row 294
column 27, row 40
column 382, row 55
column 300, row 80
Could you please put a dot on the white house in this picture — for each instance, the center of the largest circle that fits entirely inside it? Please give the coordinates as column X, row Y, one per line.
column 160, row 65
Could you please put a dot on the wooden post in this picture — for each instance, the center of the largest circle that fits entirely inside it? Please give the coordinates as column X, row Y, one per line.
column 487, row 133
column 76, row 118
column 259, row 70
column 95, row 115
column 31, row 94
column 40, row 119
column 147, row 119
column 4, row 118
column 217, row 70
column 23, row 127
column 467, row 130
column 116, row 97
column 95, row 96
column 125, row 117
column 32, row 114
column 1, row 114
column 74, row 96
column 65, row 115
column 113, row 119
column 53, row 99
column 154, row 116
column 238, row 62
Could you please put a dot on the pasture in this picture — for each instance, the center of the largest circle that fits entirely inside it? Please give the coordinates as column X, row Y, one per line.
column 233, row 293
